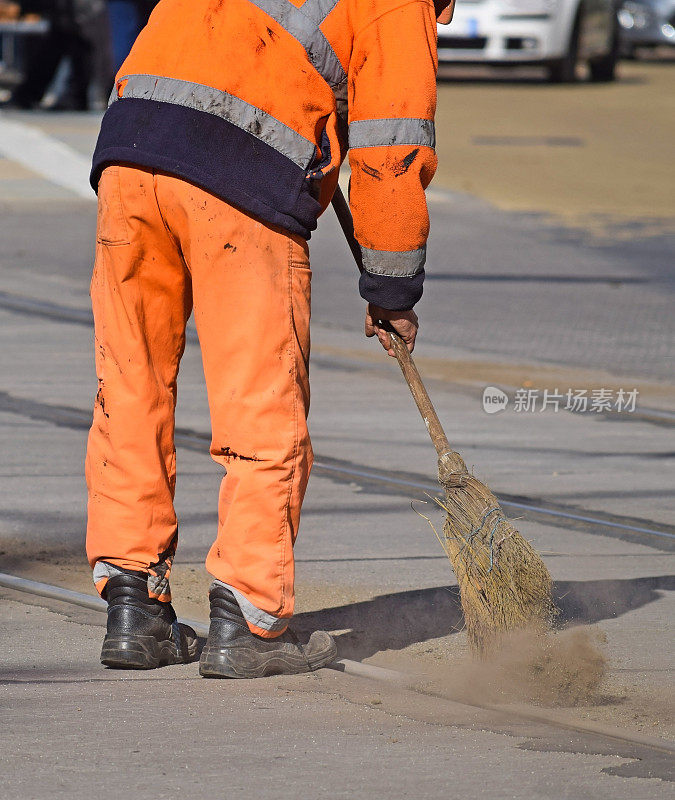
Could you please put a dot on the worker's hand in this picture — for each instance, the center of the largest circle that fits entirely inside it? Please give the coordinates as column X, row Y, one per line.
column 405, row 323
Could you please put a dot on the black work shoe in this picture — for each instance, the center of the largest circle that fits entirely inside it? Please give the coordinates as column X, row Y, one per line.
column 232, row 651
column 142, row 632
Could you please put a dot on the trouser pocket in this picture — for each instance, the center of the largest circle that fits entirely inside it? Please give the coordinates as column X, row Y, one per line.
column 111, row 226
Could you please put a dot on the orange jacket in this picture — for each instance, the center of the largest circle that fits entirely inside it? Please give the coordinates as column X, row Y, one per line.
column 257, row 101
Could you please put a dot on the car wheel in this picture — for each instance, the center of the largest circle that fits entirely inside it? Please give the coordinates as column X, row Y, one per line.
column 603, row 69
column 564, row 70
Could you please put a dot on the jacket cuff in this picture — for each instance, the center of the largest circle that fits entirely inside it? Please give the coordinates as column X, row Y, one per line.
column 394, row 294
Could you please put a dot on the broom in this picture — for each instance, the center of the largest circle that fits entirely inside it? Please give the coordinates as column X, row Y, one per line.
column 503, row 583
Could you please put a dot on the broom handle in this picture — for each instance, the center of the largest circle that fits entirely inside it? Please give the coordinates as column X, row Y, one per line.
column 452, row 470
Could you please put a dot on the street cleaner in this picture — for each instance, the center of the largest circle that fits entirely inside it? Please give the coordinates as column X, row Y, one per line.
column 221, row 147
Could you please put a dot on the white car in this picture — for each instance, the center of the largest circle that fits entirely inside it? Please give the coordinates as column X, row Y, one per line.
column 555, row 33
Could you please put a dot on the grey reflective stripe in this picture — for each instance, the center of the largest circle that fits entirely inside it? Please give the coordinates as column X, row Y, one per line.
column 401, row 264
column 261, row 619
column 157, row 584
column 303, row 24
column 104, row 570
column 318, row 10
column 222, row 104
column 385, row 132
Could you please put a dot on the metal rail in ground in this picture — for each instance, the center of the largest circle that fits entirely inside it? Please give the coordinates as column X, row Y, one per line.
column 361, row 670
column 609, row 524
column 22, row 304
column 632, row 529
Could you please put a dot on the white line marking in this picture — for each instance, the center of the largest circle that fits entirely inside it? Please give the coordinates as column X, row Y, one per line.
column 41, row 153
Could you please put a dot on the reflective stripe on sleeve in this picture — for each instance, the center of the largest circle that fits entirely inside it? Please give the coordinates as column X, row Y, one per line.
column 303, row 24
column 222, row 104
column 401, row 264
column 387, row 132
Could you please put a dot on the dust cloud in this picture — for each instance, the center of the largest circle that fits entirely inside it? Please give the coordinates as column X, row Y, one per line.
column 564, row 668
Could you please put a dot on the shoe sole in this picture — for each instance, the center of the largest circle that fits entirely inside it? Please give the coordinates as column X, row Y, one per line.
column 241, row 662
column 144, row 652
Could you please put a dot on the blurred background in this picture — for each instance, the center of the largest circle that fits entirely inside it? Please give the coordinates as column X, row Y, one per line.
column 63, row 54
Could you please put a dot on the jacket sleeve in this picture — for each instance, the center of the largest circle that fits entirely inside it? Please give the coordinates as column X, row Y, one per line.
column 392, row 103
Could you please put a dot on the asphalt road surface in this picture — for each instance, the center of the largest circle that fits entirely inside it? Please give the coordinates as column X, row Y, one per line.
column 523, row 295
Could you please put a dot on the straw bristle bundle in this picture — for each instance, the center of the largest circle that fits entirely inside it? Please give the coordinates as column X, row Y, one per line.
column 504, row 585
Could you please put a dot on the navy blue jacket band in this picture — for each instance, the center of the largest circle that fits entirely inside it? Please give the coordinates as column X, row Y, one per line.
column 211, row 153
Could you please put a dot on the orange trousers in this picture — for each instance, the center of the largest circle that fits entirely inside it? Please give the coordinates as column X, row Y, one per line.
column 164, row 248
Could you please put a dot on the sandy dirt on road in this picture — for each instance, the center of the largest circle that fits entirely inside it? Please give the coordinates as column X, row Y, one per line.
column 567, row 672
column 591, row 155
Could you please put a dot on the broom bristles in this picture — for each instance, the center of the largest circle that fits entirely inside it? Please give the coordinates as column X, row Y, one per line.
column 504, row 585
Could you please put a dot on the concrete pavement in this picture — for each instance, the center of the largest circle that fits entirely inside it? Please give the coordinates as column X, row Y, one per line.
column 71, row 729
column 594, row 155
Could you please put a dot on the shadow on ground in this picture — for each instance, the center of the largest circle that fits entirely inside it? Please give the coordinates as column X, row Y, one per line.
column 395, row 621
